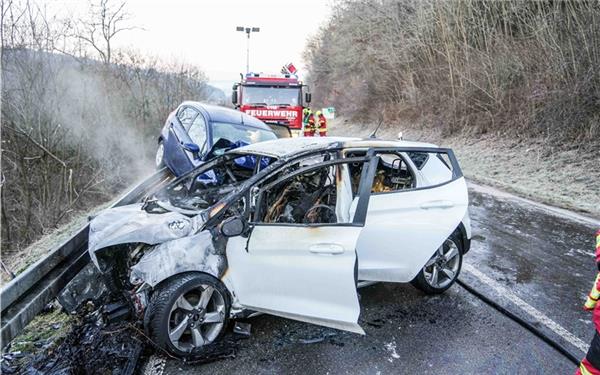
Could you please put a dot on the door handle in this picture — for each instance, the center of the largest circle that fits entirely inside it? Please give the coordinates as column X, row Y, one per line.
column 326, row 248
column 437, row 204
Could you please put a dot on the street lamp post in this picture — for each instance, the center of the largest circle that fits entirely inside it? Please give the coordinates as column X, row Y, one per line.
column 248, row 30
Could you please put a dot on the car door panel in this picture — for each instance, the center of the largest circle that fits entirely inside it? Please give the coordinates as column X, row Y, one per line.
column 403, row 229
column 177, row 159
column 298, row 272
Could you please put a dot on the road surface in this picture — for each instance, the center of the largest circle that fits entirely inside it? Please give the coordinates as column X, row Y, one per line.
column 535, row 261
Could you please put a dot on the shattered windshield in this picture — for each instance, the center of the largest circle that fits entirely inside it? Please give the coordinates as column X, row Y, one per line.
column 238, row 135
column 258, row 95
column 205, row 186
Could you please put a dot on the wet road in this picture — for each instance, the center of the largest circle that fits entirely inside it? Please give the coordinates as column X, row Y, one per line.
column 537, row 263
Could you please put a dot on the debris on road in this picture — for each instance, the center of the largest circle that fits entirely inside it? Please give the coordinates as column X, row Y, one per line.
column 317, row 339
column 242, row 328
column 377, row 322
column 91, row 348
column 391, row 348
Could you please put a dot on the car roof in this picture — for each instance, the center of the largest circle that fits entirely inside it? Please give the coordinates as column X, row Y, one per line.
column 228, row 115
column 283, row 147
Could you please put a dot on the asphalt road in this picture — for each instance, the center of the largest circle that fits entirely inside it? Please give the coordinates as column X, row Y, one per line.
column 537, row 263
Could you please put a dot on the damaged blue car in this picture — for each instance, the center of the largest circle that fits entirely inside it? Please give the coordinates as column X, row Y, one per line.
column 196, row 132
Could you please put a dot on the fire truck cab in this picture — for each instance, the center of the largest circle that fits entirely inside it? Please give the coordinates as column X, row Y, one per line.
column 274, row 99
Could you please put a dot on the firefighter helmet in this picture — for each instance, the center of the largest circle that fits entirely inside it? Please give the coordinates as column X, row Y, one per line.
column 318, row 113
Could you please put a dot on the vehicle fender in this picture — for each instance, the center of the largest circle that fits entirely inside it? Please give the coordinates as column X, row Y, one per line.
column 197, row 253
column 465, row 231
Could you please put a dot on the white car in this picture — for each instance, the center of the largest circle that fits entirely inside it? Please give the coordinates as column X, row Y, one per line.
column 286, row 227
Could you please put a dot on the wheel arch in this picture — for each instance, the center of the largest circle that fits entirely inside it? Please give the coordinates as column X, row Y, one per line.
column 466, row 241
column 195, row 253
column 173, row 277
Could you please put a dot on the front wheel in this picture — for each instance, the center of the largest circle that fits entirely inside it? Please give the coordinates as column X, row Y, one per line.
column 160, row 155
column 187, row 313
column 443, row 268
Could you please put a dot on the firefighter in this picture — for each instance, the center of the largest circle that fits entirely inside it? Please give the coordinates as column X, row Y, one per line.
column 305, row 113
column 310, row 126
column 590, row 365
column 322, row 121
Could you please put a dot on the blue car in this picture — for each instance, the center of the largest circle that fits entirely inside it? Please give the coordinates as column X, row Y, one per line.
column 196, row 132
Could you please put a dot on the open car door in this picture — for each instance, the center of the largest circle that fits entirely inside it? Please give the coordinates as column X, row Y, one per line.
column 405, row 227
column 177, row 160
column 300, row 263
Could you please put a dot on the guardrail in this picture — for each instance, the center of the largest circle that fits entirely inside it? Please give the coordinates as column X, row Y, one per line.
column 26, row 295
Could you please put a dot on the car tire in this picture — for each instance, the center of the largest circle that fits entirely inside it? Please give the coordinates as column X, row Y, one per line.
column 443, row 268
column 159, row 159
column 175, row 319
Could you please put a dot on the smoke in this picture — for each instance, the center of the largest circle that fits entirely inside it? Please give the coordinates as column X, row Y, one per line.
column 100, row 117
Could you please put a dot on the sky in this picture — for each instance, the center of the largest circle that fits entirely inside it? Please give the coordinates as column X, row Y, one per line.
column 203, row 33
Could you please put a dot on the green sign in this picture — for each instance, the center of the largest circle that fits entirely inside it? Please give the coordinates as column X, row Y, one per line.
column 329, row 112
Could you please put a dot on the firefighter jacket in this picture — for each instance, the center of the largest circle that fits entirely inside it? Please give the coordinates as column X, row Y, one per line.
column 305, row 115
column 310, row 122
column 592, row 299
column 322, row 125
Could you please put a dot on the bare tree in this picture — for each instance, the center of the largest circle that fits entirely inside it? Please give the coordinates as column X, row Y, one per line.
column 469, row 65
column 103, row 23
column 75, row 131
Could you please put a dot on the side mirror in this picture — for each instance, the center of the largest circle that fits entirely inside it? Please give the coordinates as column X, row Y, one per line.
column 191, row 147
column 307, row 97
column 233, row 226
column 234, row 95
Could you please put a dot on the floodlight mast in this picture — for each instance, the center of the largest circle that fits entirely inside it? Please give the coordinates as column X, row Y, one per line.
column 247, row 30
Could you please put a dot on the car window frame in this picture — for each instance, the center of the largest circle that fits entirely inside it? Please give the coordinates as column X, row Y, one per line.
column 359, row 218
column 214, row 212
column 181, row 110
column 409, row 167
column 419, row 167
column 456, row 170
column 204, row 146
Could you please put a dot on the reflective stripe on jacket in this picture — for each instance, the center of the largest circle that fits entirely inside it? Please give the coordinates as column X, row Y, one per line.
column 592, row 299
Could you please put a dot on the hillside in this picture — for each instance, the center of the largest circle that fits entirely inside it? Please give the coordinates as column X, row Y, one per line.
column 76, row 131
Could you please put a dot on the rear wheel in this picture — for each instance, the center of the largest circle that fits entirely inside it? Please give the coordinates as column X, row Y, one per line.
column 443, row 268
column 187, row 313
column 160, row 155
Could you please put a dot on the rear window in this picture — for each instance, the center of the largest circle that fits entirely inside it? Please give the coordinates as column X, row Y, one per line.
column 418, row 158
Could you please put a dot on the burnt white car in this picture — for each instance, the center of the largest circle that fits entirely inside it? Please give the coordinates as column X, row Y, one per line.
column 287, row 227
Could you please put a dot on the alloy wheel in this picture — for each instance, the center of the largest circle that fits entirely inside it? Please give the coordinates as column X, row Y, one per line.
column 443, row 267
column 159, row 154
column 196, row 318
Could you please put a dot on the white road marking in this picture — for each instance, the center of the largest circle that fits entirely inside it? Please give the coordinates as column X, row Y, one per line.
column 535, row 313
column 555, row 211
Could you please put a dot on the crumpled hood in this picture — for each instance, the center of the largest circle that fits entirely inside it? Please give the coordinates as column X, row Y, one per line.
column 130, row 224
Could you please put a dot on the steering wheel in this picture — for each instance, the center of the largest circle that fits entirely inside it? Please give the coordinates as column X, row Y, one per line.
column 307, row 219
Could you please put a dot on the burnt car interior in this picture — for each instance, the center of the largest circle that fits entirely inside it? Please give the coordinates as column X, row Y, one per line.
column 313, row 195
column 200, row 190
column 392, row 173
column 309, row 197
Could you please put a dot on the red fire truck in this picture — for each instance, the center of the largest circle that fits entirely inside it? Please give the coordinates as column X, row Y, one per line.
column 274, row 99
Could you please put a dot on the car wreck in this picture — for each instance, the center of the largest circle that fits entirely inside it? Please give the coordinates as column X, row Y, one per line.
column 287, row 227
column 196, row 132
